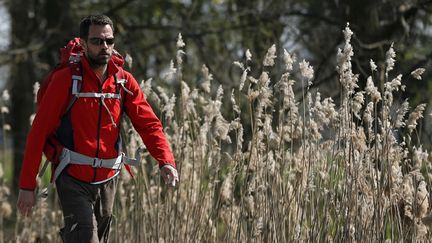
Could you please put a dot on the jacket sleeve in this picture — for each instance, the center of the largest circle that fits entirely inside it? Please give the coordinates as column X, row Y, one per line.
column 46, row 120
column 147, row 124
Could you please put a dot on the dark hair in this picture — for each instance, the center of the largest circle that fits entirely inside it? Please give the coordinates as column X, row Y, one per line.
column 94, row 20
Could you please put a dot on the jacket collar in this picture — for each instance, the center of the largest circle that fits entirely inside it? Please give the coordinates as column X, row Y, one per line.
column 112, row 67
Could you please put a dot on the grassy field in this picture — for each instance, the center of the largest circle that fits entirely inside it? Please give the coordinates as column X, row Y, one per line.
column 280, row 167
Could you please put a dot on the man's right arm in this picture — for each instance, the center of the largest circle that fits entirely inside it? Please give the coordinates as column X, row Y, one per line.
column 26, row 201
column 47, row 118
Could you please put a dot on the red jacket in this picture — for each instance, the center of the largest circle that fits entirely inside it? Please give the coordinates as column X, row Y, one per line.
column 93, row 132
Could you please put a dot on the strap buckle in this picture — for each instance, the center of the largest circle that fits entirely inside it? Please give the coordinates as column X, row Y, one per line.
column 97, row 162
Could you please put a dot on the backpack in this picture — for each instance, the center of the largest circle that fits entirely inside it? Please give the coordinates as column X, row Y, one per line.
column 70, row 57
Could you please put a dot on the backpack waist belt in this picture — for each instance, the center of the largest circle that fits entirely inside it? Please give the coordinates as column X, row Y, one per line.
column 70, row 157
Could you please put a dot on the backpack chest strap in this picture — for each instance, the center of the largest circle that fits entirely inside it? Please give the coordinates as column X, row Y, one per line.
column 76, row 82
column 77, row 79
column 76, row 86
column 98, row 95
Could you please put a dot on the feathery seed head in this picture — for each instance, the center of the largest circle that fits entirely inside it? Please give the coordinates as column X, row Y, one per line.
column 372, row 91
column 288, row 60
column 5, row 95
column 180, row 42
column 270, row 56
column 248, row 55
column 390, row 59
column 417, row 73
column 208, row 77
column 373, row 65
column 414, row 116
column 306, row 70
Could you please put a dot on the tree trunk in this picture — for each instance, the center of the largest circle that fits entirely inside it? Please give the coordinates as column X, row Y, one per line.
column 39, row 51
column 22, row 76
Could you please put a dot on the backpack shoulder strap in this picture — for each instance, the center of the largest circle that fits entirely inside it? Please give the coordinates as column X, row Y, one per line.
column 121, row 79
column 77, row 77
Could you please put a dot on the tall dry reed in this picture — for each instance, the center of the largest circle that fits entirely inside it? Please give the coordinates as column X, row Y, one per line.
column 306, row 171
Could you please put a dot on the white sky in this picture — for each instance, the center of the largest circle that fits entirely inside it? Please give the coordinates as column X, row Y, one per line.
column 4, row 40
column 4, row 27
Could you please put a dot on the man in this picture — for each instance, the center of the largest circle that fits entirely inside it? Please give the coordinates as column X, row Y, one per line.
column 89, row 131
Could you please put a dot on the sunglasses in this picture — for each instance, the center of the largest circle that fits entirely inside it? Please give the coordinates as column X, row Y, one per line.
column 99, row 41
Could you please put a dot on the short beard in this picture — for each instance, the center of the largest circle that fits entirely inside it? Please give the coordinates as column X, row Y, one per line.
column 97, row 62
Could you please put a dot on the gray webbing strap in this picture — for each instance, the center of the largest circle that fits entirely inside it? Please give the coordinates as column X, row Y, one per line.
column 76, row 93
column 122, row 82
column 80, row 159
column 133, row 162
column 75, row 82
column 109, row 112
column 71, row 157
column 98, row 95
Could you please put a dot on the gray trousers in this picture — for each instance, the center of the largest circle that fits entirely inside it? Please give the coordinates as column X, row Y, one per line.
column 87, row 209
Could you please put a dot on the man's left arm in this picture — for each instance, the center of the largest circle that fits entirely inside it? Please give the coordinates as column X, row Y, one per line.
column 150, row 130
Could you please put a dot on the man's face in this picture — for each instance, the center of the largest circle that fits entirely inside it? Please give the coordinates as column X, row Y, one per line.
column 99, row 44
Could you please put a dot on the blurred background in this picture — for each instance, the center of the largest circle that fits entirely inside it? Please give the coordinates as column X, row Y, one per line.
column 216, row 34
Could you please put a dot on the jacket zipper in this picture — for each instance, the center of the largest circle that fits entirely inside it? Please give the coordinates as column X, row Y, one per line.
column 98, row 132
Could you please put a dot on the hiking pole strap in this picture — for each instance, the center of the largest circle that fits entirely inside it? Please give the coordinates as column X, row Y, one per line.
column 44, row 167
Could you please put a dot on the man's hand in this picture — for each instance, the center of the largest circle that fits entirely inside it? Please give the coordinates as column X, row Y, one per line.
column 26, row 201
column 169, row 174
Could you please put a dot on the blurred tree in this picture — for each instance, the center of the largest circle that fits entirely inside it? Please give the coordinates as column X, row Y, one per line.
column 376, row 25
column 22, row 74
column 38, row 29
